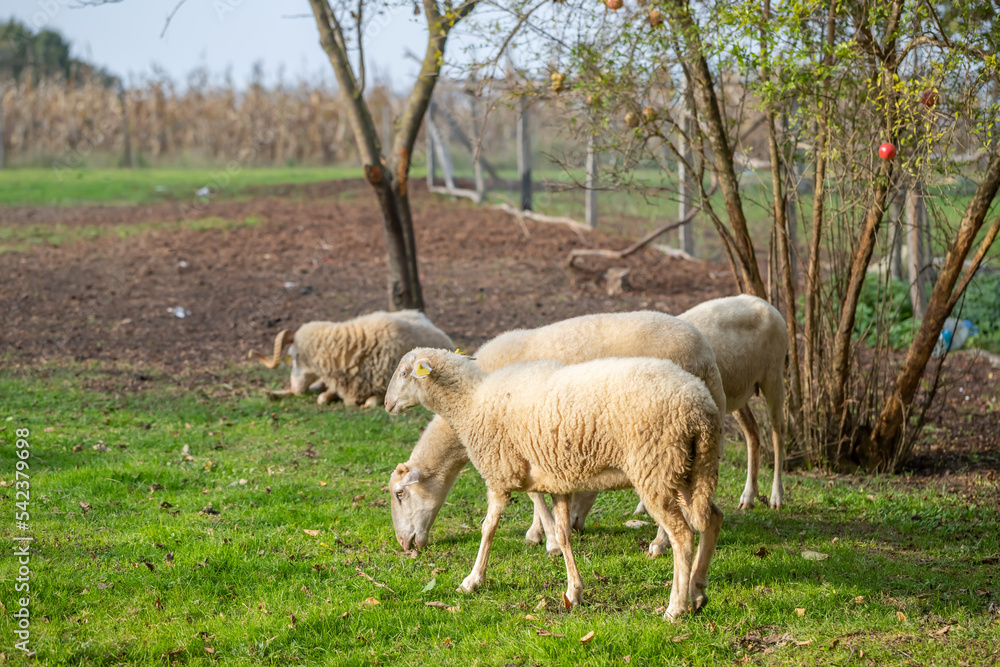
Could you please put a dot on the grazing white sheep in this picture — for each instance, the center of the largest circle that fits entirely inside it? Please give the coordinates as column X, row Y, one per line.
column 544, row 427
column 750, row 341
column 353, row 359
column 420, row 486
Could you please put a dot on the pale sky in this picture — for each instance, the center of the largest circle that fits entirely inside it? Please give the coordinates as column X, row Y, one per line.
column 125, row 37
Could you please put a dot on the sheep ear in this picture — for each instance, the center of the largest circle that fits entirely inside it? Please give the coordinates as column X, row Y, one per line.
column 289, row 357
column 421, row 369
column 412, row 477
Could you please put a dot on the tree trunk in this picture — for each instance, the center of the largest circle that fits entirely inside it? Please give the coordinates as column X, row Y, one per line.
column 886, row 437
column 722, row 165
column 812, row 388
column 785, row 278
column 389, row 178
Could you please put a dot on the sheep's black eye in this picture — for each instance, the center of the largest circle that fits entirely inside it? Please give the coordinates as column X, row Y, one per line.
column 399, row 495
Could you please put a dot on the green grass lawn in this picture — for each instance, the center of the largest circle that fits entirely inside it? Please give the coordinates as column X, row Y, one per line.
column 170, row 526
column 68, row 187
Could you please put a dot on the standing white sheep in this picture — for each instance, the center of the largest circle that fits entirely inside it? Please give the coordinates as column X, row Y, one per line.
column 354, row 358
column 599, row 425
column 421, row 485
column 748, row 332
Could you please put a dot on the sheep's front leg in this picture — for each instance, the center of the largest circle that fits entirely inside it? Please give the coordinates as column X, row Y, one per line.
column 583, row 501
column 574, row 584
column 328, row 396
column 278, row 394
column 496, row 504
column 659, row 546
column 752, row 433
column 542, row 524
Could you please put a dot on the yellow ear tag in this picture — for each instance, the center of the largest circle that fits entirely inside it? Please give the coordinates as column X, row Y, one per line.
column 421, row 371
column 287, row 359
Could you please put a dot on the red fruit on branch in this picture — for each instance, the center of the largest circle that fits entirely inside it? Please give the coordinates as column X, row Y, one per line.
column 614, row 5
column 929, row 99
column 887, row 151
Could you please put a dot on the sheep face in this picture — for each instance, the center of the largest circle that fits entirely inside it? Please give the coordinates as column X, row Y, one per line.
column 405, row 388
column 302, row 375
column 413, row 507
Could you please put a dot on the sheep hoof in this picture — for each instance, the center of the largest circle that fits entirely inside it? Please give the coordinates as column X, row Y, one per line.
column 673, row 614
column 656, row 550
column 469, row 585
column 553, row 551
column 746, row 503
column 698, row 597
column 532, row 537
column 570, row 603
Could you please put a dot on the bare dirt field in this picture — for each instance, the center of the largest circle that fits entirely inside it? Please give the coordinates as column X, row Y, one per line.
column 316, row 252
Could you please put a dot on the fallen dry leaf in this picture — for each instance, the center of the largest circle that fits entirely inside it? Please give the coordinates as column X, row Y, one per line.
column 636, row 524
column 346, row 614
column 805, row 643
column 529, row 617
column 443, row 605
column 209, row 649
column 371, row 602
column 627, row 659
column 679, row 638
column 541, row 632
column 314, row 533
column 800, row 611
column 322, row 483
column 943, row 631
column 814, row 555
column 761, row 553
column 901, row 616
column 587, row 637
column 859, row 599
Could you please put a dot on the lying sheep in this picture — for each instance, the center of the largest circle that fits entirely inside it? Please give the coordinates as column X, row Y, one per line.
column 353, row 359
column 605, row 424
column 420, row 485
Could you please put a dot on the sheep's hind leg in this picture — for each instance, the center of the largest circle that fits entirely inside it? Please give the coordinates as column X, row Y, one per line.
column 774, row 394
column 706, row 549
column 574, row 584
column 497, row 503
column 752, row 434
column 542, row 524
column 668, row 516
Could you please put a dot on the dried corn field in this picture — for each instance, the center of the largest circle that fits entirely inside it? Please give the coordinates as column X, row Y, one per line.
column 52, row 123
